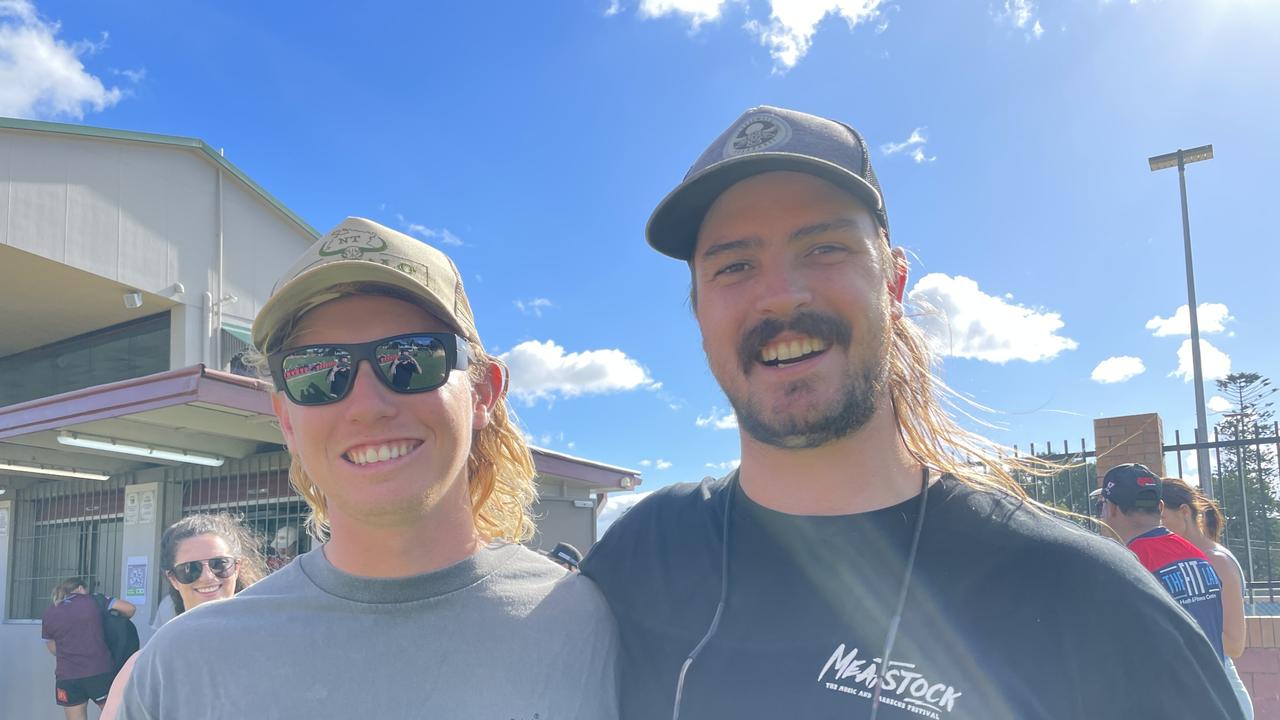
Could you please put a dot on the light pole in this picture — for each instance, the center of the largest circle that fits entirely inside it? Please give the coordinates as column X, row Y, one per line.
column 1180, row 159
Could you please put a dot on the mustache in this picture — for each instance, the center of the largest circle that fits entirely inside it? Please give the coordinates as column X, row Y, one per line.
column 826, row 327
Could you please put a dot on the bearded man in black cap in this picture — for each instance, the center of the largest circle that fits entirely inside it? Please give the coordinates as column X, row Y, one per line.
column 869, row 558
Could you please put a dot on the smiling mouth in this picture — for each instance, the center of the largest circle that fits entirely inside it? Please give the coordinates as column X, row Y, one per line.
column 208, row 590
column 371, row 454
column 789, row 352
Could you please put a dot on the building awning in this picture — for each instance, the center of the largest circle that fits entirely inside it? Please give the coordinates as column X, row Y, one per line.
column 239, row 332
column 193, row 409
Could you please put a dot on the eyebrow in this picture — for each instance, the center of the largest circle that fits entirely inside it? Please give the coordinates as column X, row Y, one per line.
column 800, row 234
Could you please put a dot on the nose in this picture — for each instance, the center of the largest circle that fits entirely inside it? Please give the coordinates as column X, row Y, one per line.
column 206, row 572
column 369, row 399
column 783, row 290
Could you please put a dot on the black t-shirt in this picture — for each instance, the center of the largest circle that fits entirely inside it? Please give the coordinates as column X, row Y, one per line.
column 1011, row 614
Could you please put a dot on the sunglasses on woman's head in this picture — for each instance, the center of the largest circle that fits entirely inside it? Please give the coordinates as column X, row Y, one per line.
column 188, row 572
column 411, row 363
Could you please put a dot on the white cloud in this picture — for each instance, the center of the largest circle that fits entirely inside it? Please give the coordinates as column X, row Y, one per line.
column 543, row 370
column 1022, row 15
column 914, row 145
column 697, row 11
column 659, row 464
column 134, row 76
column 917, row 138
column 615, row 507
column 1214, row 363
column 533, row 307
column 442, row 235
column 1211, row 317
column 42, row 76
column 792, row 23
column 718, row 420
column 615, row 7
column 1218, row 404
column 1118, row 369
column 968, row 323
column 787, row 33
column 725, row 466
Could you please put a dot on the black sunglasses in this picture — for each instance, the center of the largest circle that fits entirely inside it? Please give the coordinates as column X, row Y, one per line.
column 188, row 572
column 412, row 363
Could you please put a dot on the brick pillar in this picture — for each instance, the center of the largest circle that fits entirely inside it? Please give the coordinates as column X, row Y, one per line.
column 1129, row 439
column 1259, row 666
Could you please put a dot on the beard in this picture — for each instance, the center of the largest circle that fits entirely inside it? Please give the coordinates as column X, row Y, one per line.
column 826, row 420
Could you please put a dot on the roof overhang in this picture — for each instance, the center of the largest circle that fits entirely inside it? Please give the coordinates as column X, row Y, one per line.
column 200, row 410
column 191, row 408
column 597, row 475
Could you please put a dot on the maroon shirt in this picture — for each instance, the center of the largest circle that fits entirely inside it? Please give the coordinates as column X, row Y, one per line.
column 75, row 624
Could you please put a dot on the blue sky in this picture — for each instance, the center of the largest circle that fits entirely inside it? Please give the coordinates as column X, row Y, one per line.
column 533, row 139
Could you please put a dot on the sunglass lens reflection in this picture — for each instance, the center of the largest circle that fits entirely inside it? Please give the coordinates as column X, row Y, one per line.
column 188, row 572
column 413, row 364
column 315, row 375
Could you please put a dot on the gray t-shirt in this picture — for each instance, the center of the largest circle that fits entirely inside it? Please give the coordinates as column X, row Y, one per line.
column 503, row 635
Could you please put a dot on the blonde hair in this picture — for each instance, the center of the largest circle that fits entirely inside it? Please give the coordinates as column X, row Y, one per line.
column 931, row 435
column 66, row 587
column 500, row 470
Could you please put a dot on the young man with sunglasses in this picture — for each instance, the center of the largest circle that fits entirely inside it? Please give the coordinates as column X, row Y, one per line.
column 421, row 603
column 869, row 558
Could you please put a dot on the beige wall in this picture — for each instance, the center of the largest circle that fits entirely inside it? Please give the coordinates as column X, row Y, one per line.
column 147, row 216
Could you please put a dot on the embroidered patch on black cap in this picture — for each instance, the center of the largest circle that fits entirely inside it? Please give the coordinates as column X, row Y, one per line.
column 757, row 133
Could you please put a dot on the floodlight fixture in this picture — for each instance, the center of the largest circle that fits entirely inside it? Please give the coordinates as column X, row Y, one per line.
column 156, row 453
column 1168, row 160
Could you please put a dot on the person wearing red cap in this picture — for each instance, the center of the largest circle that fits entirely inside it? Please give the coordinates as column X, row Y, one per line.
column 869, row 558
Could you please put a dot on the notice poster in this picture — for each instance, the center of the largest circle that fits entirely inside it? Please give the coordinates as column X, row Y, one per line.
column 135, row 580
column 147, row 507
column 130, row 507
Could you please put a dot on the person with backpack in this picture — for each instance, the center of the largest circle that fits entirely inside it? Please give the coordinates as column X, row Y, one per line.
column 73, row 630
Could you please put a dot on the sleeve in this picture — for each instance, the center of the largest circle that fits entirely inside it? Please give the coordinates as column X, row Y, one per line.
column 141, row 699
column 1160, row 664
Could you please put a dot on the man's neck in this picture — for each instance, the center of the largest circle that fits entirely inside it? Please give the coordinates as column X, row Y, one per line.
column 867, row 470
column 1139, row 528
column 436, row 541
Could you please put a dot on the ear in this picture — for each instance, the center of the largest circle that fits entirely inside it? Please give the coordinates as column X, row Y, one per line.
column 280, row 405
column 898, row 287
column 488, row 392
column 173, row 583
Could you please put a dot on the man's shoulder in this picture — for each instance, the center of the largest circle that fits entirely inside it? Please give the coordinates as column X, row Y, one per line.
column 997, row 524
column 677, row 526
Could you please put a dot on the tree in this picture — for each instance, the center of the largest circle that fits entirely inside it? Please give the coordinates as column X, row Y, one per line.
column 1253, row 514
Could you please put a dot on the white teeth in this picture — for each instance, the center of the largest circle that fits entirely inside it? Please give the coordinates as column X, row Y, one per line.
column 789, row 350
column 378, row 453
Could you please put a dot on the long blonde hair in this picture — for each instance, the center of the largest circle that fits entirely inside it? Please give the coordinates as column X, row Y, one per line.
column 500, row 470
column 929, row 431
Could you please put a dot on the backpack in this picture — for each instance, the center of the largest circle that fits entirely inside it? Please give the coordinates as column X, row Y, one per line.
column 119, row 633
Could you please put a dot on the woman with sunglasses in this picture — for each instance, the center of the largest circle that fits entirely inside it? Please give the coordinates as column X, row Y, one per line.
column 1195, row 517
column 421, row 602
column 206, row 557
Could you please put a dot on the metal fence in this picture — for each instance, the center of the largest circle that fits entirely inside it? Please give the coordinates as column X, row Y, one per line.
column 1246, row 478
